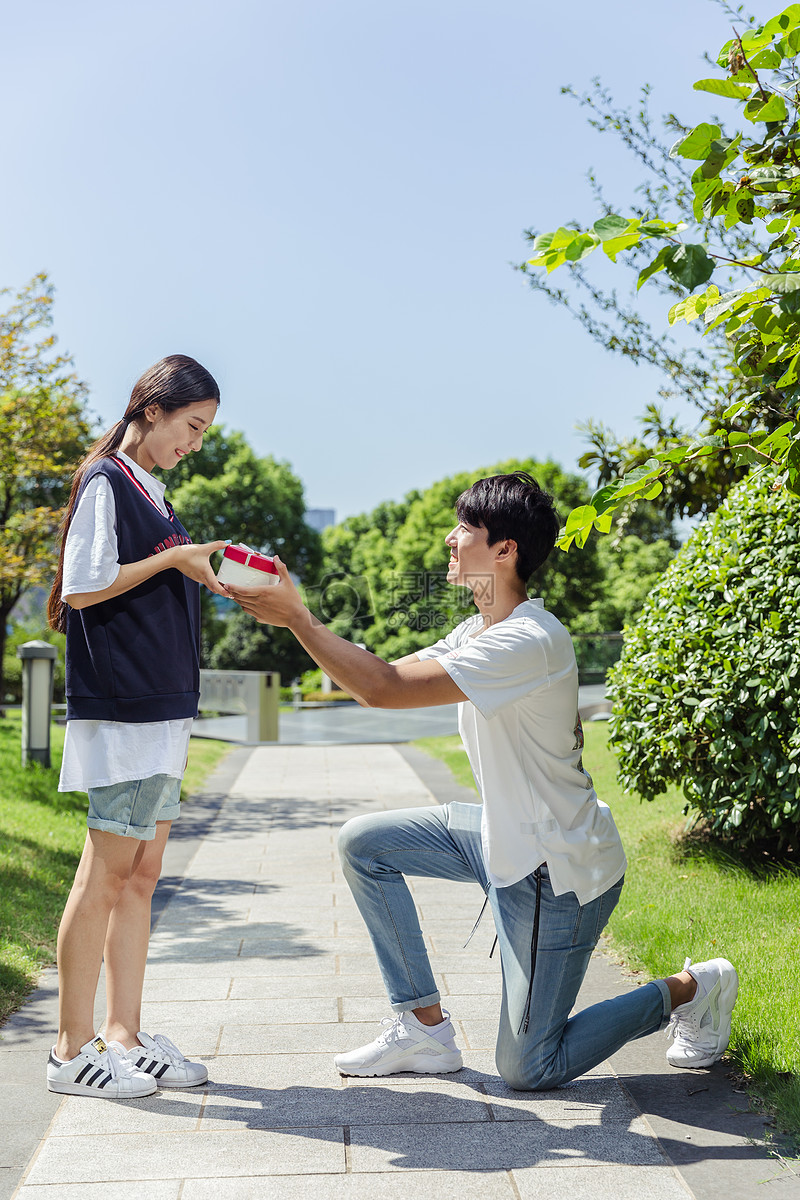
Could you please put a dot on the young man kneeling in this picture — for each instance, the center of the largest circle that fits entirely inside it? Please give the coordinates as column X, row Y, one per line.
column 542, row 846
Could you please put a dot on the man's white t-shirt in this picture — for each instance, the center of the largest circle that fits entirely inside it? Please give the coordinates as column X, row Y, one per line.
column 523, row 738
column 100, row 753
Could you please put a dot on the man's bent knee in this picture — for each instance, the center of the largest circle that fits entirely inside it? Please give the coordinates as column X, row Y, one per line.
column 532, row 1076
column 354, row 839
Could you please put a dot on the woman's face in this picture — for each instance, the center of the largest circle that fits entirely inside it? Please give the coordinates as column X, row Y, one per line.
column 170, row 435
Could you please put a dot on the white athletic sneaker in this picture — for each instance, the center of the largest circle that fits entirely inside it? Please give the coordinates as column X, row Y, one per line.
column 405, row 1045
column 161, row 1059
column 99, row 1070
column 702, row 1026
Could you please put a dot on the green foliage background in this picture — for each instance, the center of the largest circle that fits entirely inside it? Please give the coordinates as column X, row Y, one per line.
column 383, row 577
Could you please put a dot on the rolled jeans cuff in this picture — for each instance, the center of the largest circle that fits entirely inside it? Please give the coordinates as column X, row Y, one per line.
column 667, row 999
column 417, row 1002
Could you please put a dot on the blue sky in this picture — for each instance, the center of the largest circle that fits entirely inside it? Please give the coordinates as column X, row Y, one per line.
column 321, row 202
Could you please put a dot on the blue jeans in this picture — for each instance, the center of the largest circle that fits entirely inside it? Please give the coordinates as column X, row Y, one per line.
column 377, row 851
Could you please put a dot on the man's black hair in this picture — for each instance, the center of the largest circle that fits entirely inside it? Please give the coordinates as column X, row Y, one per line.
column 515, row 507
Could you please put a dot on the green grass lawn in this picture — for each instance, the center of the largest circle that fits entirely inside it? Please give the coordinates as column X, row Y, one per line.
column 682, row 898
column 42, row 833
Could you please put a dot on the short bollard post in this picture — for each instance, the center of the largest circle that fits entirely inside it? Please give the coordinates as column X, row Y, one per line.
column 38, row 662
column 262, row 720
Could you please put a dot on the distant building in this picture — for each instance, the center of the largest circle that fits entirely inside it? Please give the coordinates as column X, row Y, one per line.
column 320, row 518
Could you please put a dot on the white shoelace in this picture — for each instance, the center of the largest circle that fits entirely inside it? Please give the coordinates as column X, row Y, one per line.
column 392, row 1033
column 117, row 1065
column 686, row 1025
column 166, row 1050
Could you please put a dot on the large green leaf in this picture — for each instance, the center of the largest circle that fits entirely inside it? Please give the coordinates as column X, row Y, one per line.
column 723, row 87
column 582, row 245
column 783, row 284
column 689, row 265
column 772, row 109
column 697, row 144
column 611, row 226
column 787, row 47
column 784, row 22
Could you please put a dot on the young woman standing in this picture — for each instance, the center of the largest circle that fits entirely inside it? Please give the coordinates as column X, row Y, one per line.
column 127, row 595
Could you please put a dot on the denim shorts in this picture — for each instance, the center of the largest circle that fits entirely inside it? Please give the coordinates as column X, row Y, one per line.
column 132, row 808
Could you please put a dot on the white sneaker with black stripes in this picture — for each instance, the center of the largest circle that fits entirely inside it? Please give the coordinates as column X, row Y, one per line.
column 162, row 1060
column 99, row 1070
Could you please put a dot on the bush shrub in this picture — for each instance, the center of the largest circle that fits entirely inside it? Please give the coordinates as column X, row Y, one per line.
column 705, row 691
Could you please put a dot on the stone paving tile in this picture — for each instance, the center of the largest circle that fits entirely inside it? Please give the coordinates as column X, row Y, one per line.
column 16, row 1064
column 477, row 1033
column 312, row 943
column 271, row 1072
column 266, row 1039
column 598, row 1096
column 189, row 920
column 459, row 984
column 620, row 1181
column 244, row 967
column 24, row 1106
column 422, row 1185
column 270, row 987
column 160, row 1156
column 264, row 907
column 156, row 1190
column 239, row 1012
column 239, row 873
column 499, row 1146
column 317, row 926
column 164, row 1112
column 15, row 1146
column 208, row 987
column 163, row 947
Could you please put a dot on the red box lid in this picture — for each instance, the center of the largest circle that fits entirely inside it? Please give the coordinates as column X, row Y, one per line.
column 250, row 558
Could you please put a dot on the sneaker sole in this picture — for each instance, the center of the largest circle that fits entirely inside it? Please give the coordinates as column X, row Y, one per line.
column 421, row 1065
column 80, row 1089
column 183, row 1083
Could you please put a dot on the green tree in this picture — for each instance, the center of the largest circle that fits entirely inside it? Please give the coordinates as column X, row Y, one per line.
column 44, row 432
column 746, row 181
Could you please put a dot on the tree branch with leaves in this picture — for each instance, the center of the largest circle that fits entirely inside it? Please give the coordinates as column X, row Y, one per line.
column 743, row 229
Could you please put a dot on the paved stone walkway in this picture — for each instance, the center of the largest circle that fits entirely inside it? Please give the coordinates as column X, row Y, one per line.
column 260, row 965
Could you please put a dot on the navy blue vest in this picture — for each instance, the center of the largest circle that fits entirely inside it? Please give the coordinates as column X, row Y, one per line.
column 136, row 658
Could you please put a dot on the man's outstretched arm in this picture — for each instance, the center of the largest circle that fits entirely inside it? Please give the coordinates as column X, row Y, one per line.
column 407, row 683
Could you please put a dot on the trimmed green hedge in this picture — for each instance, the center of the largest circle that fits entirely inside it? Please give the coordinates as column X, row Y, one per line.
column 705, row 693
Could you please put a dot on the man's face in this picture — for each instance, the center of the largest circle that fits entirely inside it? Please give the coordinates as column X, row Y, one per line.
column 472, row 559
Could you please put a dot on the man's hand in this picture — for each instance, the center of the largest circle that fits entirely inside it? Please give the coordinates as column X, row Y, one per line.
column 278, row 604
